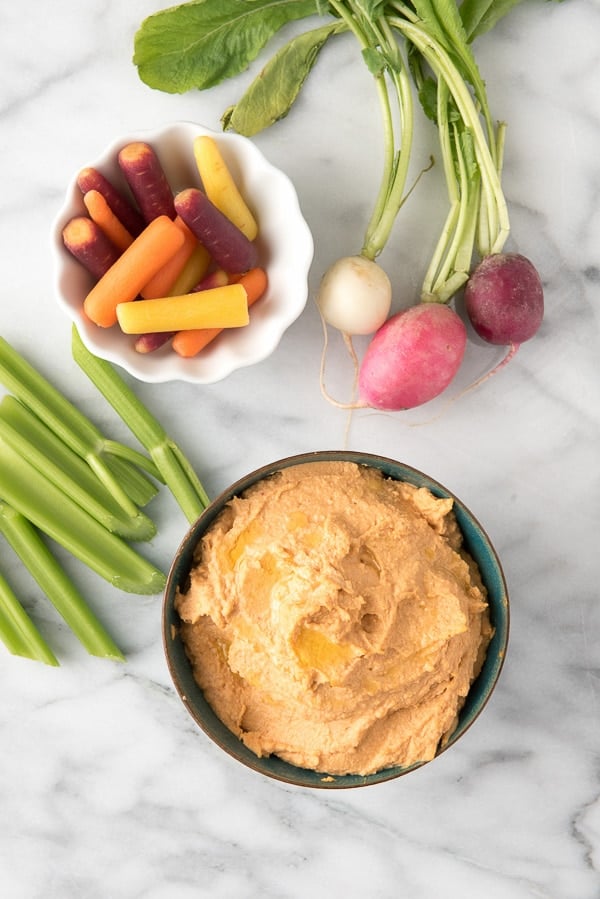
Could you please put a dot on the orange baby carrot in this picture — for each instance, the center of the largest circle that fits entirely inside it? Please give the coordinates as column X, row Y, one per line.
column 162, row 282
column 254, row 282
column 189, row 343
column 125, row 278
column 101, row 213
column 90, row 178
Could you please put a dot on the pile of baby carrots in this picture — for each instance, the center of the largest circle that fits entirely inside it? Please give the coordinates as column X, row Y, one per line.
column 167, row 267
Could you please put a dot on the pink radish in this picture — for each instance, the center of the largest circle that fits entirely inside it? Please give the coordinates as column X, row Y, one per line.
column 412, row 358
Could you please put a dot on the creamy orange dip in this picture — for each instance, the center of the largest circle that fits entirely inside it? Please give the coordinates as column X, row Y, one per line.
column 334, row 620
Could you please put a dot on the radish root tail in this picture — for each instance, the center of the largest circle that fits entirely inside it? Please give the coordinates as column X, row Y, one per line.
column 352, row 353
column 473, row 386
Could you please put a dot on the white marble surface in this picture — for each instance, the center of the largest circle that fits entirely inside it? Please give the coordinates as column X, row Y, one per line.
column 106, row 787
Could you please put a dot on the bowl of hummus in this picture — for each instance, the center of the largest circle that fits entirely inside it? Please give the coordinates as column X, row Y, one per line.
column 335, row 619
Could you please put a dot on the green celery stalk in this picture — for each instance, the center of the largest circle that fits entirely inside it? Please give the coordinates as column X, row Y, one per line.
column 26, row 489
column 28, row 544
column 18, row 632
column 168, row 457
column 27, row 434
column 69, row 423
column 138, row 486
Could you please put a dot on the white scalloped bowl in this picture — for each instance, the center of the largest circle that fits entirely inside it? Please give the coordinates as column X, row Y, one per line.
column 285, row 247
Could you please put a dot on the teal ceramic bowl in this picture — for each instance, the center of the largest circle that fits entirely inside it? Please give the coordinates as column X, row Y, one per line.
column 477, row 544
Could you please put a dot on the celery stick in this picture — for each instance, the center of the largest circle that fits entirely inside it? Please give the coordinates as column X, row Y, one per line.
column 170, row 460
column 27, row 490
column 18, row 632
column 27, row 434
column 55, row 583
column 138, row 486
column 71, row 425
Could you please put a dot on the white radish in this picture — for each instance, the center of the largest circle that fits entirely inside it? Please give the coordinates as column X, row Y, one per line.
column 355, row 295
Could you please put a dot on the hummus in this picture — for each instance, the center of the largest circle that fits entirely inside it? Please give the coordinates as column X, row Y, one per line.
column 333, row 619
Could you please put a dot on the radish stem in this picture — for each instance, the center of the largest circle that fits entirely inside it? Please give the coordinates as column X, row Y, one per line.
column 382, row 55
column 472, row 156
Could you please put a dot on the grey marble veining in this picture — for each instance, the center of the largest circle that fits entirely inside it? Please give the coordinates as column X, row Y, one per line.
column 107, row 789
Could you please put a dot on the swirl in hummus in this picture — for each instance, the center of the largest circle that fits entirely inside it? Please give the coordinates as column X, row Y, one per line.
column 333, row 619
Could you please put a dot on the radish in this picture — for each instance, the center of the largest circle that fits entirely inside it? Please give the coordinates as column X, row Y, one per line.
column 504, row 299
column 355, row 295
column 412, row 358
column 424, row 50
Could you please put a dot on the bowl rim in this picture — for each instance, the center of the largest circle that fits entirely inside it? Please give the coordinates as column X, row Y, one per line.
column 280, row 770
column 245, row 349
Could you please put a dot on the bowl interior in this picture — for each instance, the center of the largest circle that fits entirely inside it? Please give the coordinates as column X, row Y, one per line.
column 285, row 246
column 476, row 542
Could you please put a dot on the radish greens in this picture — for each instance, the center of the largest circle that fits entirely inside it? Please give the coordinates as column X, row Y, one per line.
column 419, row 48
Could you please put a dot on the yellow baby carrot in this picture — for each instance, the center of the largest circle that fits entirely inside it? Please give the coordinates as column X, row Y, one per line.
column 133, row 269
column 221, row 307
column 193, row 271
column 189, row 343
column 220, row 187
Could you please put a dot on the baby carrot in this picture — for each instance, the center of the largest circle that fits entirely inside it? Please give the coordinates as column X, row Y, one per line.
column 162, row 282
column 222, row 307
column 220, row 187
column 189, row 343
column 133, row 269
column 147, row 180
column 88, row 243
column 90, row 178
column 228, row 246
column 193, row 271
column 101, row 213
column 191, row 278
column 148, row 343
column 218, row 277
column 151, row 341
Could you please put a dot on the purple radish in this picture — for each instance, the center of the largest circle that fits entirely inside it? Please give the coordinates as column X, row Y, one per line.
column 505, row 299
